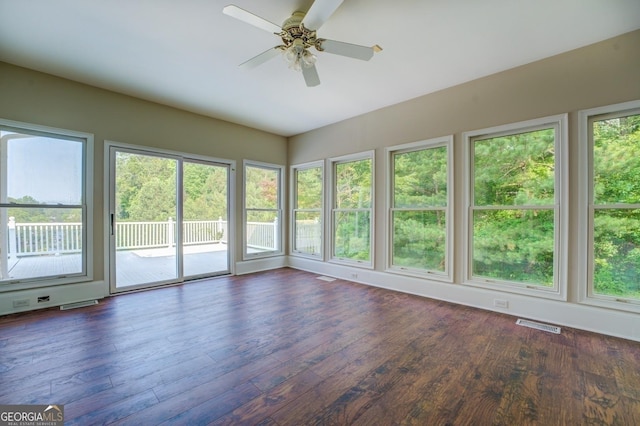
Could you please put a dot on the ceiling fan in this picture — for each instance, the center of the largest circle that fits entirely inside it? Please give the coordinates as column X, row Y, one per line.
column 298, row 34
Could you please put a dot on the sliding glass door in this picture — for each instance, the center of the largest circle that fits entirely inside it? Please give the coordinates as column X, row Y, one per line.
column 205, row 231
column 168, row 219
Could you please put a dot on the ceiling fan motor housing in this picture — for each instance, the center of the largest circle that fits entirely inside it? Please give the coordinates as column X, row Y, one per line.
column 295, row 34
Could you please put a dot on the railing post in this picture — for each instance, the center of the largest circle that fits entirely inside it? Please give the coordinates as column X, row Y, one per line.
column 275, row 234
column 170, row 235
column 13, row 245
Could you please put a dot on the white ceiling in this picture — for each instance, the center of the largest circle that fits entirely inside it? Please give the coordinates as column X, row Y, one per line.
column 186, row 53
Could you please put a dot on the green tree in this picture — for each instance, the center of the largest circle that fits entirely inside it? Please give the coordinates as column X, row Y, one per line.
column 616, row 239
column 261, row 193
column 511, row 172
column 420, row 183
column 145, row 187
column 205, row 192
column 41, row 214
column 353, row 200
column 309, row 188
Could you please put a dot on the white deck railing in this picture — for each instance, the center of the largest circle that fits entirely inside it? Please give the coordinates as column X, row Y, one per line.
column 42, row 238
column 33, row 239
column 308, row 236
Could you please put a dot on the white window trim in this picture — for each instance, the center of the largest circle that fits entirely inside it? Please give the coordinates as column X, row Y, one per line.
column 293, row 203
column 279, row 251
column 447, row 275
column 559, row 290
column 585, row 221
column 87, row 193
column 366, row 155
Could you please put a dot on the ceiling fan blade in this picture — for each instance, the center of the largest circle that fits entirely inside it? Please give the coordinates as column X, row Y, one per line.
column 319, row 12
column 261, row 58
column 311, row 76
column 248, row 17
column 350, row 50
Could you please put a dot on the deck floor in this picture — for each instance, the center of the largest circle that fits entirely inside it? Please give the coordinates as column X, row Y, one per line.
column 133, row 267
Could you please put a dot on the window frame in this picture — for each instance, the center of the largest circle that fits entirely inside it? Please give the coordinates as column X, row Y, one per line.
column 333, row 162
column 280, row 169
column 446, row 142
column 560, row 208
column 87, row 141
column 294, row 209
column 586, row 293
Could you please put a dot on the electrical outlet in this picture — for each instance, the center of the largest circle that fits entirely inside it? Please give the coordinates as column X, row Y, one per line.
column 501, row 303
column 21, row 303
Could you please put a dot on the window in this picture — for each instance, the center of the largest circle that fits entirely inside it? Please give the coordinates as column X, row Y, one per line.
column 263, row 189
column 514, row 221
column 307, row 207
column 45, row 208
column 352, row 209
column 611, row 136
column 420, row 196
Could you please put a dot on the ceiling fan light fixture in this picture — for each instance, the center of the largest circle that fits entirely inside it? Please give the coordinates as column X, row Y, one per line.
column 298, row 57
column 308, row 59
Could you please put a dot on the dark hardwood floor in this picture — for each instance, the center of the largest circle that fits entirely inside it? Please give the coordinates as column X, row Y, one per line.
column 284, row 348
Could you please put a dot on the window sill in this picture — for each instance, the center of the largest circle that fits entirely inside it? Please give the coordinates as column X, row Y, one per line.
column 424, row 274
column 527, row 290
column 611, row 302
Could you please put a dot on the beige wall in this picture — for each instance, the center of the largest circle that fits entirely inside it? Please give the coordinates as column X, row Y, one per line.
column 601, row 74
column 42, row 99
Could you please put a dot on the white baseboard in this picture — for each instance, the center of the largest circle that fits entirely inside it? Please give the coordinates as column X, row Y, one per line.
column 585, row 317
column 261, row 264
column 46, row 297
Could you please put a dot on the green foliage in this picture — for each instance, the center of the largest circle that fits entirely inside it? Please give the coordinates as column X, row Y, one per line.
column 353, row 184
column 420, row 182
column 308, row 226
column 205, row 191
column 353, row 223
column 41, row 214
column 352, row 239
column 309, row 188
column 514, row 244
column 616, row 174
column 515, row 170
column 261, row 193
column 419, row 239
column 146, row 189
column 616, row 239
column 617, row 160
column 420, row 178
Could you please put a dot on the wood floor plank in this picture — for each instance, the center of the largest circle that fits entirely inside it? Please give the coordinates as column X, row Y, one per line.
column 261, row 407
column 284, row 348
column 343, row 371
column 236, row 376
column 216, row 407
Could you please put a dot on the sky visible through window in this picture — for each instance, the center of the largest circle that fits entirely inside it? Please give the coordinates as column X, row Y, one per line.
column 48, row 170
